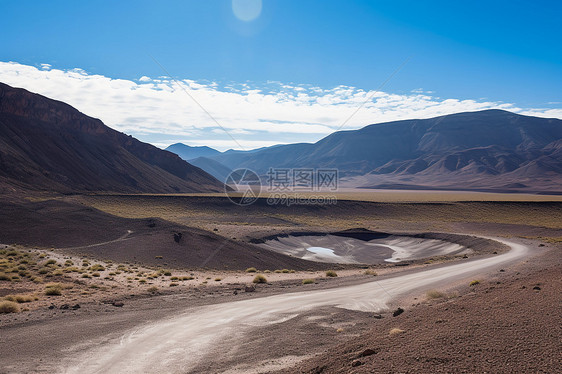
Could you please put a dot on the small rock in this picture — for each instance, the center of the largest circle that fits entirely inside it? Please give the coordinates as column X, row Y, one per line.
column 397, row 312
column 249, row 289
column 356, row 363
column 235, row 292
column 537, row 288
column 64, row 306
column 368, row 352
column 52, row 306
column 118, row 304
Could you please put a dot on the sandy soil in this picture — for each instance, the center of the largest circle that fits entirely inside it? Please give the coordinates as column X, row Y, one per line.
column 509, row 323
column 104, row 324
column 62, row 335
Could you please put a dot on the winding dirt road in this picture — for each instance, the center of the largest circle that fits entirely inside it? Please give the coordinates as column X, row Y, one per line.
column 180, row 343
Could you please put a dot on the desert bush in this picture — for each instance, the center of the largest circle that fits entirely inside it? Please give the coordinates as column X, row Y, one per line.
column 307, row 281
column 474, row 282
column 251, row 270
column 371, row 272
column 53, row 289
column 174, row 284
column 218, row 279
column 267, row 271
column 168, row 273
column 285, row 271
column 278, row 271
column 51, row 262
column 174, row 278
column 37, row 279
column 97, row 267
column 152, row 289
column 95, row 275
column 5, row 277
column 9, row 307
column 260, row 279
column 331, row 273
column 20, row 298
column 186, row 278
column 434, row 294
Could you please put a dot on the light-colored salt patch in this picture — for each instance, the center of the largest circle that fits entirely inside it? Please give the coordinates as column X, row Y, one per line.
column 410, row 249
column 323, row 254
column 323, row 251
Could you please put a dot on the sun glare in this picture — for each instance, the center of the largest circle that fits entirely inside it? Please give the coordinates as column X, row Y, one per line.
column 246, row 10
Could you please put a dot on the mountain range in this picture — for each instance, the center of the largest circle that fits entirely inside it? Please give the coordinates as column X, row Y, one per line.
column 48, row 145
column 492, row 150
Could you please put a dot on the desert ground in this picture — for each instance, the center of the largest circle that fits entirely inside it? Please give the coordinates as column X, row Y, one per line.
column 187, row 283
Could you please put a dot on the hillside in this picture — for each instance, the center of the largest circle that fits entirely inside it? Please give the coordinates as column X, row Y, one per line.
column 485, row 150
column 48, row 145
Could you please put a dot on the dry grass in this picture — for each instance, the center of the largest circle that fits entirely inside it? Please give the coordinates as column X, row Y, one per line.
column 260, row 279
column 434, row 294
column 474, row 282
column 308, row 281
column 53, row 289
column 20, row 299
column 9, row 307
column 331, row 274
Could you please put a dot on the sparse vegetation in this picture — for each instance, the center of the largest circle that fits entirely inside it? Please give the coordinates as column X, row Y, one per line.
column 434, row 294
column 20, row 298
column 251, row 270
column 371, row 272
column 260, row 279
column 9, row 307
column 53, row 289
column 474, row 283
column 331, row 273
column 307, row 281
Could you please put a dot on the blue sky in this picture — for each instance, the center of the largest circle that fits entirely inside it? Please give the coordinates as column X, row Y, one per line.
column 502, row 52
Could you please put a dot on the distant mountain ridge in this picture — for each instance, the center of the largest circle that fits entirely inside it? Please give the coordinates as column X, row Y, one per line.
column 48, row 145
column 187, row 152
column 485, row 150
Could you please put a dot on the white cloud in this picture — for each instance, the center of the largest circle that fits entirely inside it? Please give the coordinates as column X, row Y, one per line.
column 158, row 108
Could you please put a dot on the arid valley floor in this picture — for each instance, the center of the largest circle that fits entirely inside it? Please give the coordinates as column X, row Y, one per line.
column 92, row 275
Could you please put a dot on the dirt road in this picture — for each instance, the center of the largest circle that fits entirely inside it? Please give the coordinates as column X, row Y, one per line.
column 180, row 343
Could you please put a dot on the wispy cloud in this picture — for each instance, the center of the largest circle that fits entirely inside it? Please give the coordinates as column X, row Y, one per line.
column 156, row 110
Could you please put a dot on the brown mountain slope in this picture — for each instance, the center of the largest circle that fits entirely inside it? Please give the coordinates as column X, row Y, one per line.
column 48, row 145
